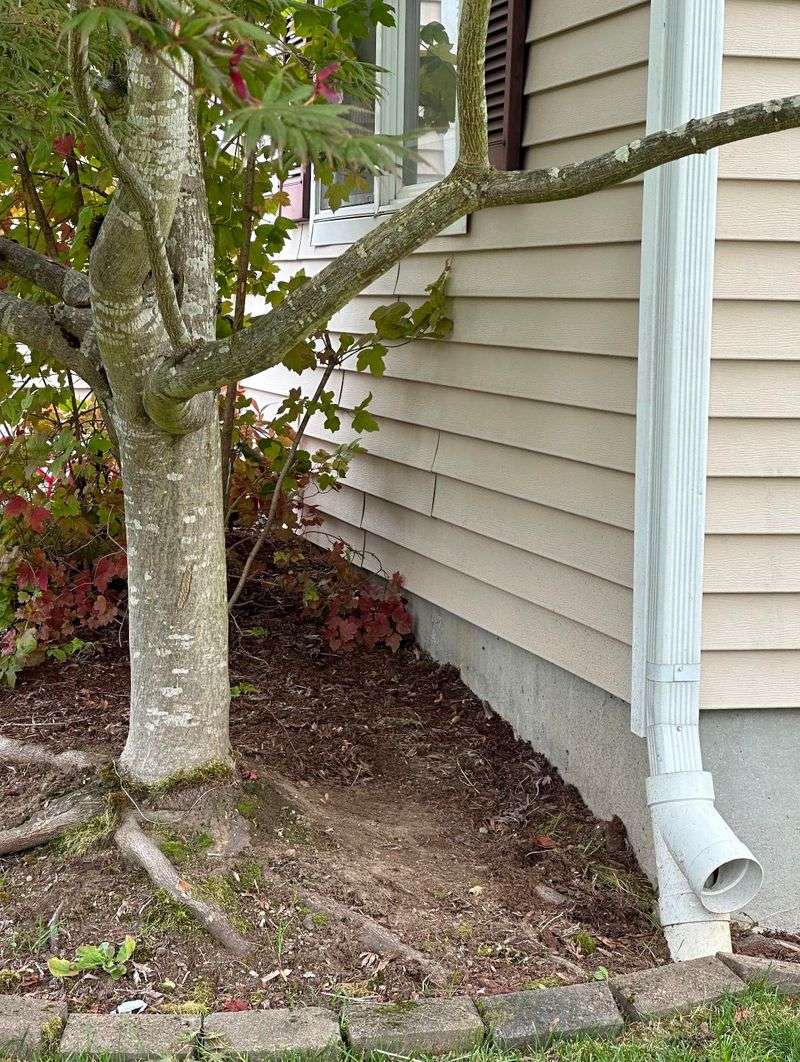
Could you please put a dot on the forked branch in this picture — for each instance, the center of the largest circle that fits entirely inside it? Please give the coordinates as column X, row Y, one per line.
column 132, row 182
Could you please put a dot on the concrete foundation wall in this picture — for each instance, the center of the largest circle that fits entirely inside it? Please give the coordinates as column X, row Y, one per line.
column 585, row 733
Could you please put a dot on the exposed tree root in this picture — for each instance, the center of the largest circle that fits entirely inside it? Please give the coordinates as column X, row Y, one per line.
column 370, row 934
column 135, row 845
column 53, row 821
column 12, row 751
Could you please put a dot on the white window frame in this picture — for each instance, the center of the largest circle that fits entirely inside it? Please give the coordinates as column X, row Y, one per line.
column 349, row 223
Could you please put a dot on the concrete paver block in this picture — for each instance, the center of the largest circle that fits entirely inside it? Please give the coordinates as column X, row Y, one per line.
column 130, row 1036
column 676, row 988
column 28, row 1025
column 430, row 1026
column 529, row 1019
column 785, row 976
column 272, row 1034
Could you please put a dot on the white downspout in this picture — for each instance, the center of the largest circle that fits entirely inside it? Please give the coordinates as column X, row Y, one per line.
column 704, row 871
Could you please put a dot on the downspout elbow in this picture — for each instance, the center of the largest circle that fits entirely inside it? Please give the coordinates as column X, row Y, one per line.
column 722, row 871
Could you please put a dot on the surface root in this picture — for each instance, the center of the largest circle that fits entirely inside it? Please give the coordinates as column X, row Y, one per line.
column 136, row 846
column 51, row 822
column 22, row 752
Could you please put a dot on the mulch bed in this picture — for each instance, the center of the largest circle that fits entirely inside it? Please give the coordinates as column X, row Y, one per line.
column 417, row 806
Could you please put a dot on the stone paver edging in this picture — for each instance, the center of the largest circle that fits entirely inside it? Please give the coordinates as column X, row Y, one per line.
column 31, row 1028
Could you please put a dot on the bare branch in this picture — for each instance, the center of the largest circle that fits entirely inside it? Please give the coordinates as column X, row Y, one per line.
column 276, row 490
column 465, row 189
column 36, row 326
column 35, row 203
column 695, row 137
column 240, row 298
column 133, row 183
column 65, row 283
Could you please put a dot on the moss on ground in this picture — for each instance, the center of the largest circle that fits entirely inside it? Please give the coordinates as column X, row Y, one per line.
column 76, row 842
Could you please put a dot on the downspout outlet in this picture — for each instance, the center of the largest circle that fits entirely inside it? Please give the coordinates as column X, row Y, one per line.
column 722, row 872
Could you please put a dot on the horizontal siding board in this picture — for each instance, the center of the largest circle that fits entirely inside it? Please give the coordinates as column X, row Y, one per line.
column 758, row 271
column 597, row 493
column 605, row 271
column 333, row 529
column 752, row 506
column 411, row 488
column 554, row 16
column 576, row 541
column 584, row 380
column 755, row 330
column 766, row 28
column 594, row 437
column 751, row 564
column 751, row 621
column 583, row 272
column 745, row 80
column 755, row 389
column 748, row 679
column 764, row 158
column 594, row 602
column 591, row 326
column 613, row 101
column 758, row 210
column 346, row 504
column 587, row 653
column 588, row 51
column 768, row 447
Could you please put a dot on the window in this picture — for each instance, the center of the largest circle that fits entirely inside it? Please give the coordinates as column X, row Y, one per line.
column 418, row 94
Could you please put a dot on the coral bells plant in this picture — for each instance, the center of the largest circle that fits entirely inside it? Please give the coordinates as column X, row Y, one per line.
column 62, row 555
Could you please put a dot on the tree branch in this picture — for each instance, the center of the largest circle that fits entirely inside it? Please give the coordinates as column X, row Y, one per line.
column 695, row 137
column 35, row 203
column 66, row 284
column 240, row 298
column 473, row 131
column 465, row 189
column 35, row 326
column 137, row 188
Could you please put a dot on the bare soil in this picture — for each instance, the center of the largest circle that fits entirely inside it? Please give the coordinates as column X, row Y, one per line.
column 377, row 780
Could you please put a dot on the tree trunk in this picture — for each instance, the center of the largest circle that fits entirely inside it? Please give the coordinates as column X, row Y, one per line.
column 180, row 692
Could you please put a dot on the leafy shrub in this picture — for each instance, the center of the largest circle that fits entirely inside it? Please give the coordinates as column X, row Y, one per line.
column 62, row 553
column 354, row 610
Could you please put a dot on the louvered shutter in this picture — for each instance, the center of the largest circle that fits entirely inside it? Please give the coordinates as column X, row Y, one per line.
column 505, row 73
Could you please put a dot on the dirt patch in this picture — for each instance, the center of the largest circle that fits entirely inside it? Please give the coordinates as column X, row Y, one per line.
column 376, row 780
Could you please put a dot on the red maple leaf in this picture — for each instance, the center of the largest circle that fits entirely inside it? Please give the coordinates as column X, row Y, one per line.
column 321, row 86
column 235, row 74
column 63, row 145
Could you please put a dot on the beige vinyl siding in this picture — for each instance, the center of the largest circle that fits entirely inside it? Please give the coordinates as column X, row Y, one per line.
column 501, row 480
column 751, row 613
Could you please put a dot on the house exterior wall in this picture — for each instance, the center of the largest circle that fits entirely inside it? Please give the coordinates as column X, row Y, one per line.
column 751, row 610
column 501, row 480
